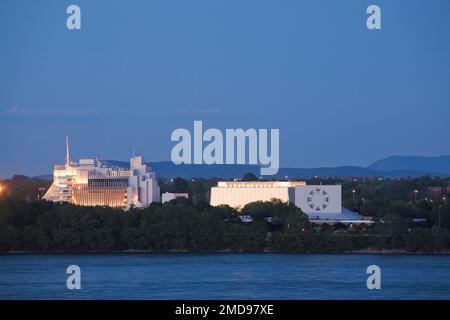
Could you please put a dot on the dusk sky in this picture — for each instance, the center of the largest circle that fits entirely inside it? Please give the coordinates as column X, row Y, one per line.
column 339, row 93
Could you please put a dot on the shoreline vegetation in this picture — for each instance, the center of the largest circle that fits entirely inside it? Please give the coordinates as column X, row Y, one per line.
column 193, row 226
column 356, row 252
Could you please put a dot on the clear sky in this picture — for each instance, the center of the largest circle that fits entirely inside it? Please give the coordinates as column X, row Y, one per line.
column 339, row 93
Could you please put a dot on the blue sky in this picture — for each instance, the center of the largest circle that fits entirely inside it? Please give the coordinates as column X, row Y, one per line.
column 339, row 93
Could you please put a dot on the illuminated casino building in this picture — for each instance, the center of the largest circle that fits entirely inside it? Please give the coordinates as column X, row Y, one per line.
column 91, row 183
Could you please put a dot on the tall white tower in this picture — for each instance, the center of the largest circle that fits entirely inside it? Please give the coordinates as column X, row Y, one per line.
column 142, row 184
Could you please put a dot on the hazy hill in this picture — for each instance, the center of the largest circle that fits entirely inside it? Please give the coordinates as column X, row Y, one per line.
column 417, row 163
column 391, row 167
column 167, row 169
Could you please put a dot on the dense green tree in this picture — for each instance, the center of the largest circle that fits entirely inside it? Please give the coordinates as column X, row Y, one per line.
column 249, row 177
column 193, row 225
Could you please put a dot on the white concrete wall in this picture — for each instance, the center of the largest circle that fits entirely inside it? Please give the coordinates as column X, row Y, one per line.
column 319, row 199
column 167, row 196
column 239, row 197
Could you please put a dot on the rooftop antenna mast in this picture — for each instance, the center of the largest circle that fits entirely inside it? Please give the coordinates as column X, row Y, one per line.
column 67, row 150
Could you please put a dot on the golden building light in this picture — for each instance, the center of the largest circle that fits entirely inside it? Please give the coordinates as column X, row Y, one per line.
column 90, row 182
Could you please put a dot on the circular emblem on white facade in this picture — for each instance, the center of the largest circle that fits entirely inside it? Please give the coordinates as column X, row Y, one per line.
column 318, row 199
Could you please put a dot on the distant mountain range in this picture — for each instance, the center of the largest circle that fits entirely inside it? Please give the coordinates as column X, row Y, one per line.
column 390, row 167
column 424, row 164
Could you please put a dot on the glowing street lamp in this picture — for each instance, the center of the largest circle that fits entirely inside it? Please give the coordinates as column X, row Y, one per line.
column 415, row 195
column 353, row 194
column 440, row 206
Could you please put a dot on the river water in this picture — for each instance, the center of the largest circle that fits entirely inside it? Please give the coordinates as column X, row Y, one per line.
column 224, row 276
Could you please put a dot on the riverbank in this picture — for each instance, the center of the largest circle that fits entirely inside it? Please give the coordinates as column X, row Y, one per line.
column 44, row 227
column 364, row 251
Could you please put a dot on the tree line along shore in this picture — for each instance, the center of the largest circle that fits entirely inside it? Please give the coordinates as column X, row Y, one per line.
column 181, row 225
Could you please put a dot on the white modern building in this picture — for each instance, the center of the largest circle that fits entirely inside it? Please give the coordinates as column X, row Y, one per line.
column 90, row 183
column 168, row 196
column 323, row 203
column 318, row 202
column 237, row 194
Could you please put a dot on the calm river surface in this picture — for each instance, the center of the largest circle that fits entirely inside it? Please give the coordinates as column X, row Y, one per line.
column 224, row 276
